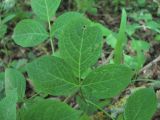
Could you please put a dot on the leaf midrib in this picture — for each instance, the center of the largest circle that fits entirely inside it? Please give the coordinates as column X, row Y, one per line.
column 80, row 55
column 61, row 79
column 140, row 108
column 48, row 15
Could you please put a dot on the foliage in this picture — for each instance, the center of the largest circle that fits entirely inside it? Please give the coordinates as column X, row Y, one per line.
column 86, row 6
column 121, row 39
column 137, row 107
column 8, row 106
column 49, row 110
column 71, row 73
column 15, row 80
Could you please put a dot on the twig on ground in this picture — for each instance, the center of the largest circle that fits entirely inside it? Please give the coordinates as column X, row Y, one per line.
column 150, row 64
column 110, row 57
column 104, row 60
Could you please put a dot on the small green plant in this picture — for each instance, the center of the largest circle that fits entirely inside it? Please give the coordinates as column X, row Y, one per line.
column 119, row 42
column 86, row 6
column 72, row 74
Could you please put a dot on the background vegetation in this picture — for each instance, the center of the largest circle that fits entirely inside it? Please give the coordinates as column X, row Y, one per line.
column 141, row 48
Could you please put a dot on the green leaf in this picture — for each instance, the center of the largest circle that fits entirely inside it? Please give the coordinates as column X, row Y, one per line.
column 140, row 45
column 120, row 117
column 135, row 62
column 3, row 30
column 141, row 2
column 141, row 15
column 80, row 45
column 8, row 17
column 19, row 64
column 51, row 75
column 29, row 33
column 85, row 107
column 85, row 117
column 1, row 80
column 8, row 106
column 2, row 89
column 100, row 82
column 106, row 32
column 131, row 28
column 157, row 37
column 49, row 110
column 15, row 80
column 86, row 6
column 111, row 40
column 141, row 105
column 88, row 108
column 153, row 26
column 45, row 9
column 59, row 24
column 121, row 39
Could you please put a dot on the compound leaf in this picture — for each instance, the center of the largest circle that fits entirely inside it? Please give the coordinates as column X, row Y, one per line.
column 51, row 75
column 141, row 105
column 80, row 45
column 29, row 33
column 50, row 110
column 15, row 80
column 45, row 9
column 107, row 81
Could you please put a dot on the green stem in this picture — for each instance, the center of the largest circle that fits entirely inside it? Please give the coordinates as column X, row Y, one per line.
column 50, row 38
column 98, row 107
column 52, row 47
column 144, row 80
column 49, row 24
